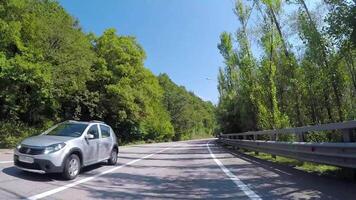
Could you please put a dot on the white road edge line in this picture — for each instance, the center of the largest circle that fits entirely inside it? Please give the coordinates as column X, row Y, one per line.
column 10, row 161
column 251, row 194
column 64, row 187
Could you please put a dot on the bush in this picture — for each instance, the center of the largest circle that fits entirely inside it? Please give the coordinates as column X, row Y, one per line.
column 12, row 132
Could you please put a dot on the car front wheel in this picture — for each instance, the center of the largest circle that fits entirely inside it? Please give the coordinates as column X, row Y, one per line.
column 113, row 157
column 71, row 167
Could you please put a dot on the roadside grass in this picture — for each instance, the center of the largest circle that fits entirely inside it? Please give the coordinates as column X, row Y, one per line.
column 315, row 168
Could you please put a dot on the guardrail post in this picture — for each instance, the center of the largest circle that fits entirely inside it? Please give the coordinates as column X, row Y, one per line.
column 254, row 139
column 237, row 147
column 347, row 135
column 273, row 138
column 233, row 146
column 244, row 137
column 301, row 137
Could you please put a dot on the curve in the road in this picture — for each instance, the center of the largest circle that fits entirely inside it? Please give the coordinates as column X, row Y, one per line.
column 243, row 187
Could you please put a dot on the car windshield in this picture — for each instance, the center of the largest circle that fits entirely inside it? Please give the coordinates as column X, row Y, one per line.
column 67, row 130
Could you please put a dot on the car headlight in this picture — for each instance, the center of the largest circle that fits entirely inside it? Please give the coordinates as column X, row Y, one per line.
column 18, row 147
column 54, row 147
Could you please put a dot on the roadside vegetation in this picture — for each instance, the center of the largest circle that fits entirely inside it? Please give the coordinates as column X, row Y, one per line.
column 289, row 64
column 51, row 71
column 315, row 168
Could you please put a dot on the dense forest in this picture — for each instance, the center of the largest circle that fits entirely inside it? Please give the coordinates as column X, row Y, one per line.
column 290, row 63
column 51, row 71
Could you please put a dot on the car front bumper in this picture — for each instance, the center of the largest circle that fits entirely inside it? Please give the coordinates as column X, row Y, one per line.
column 40, row 164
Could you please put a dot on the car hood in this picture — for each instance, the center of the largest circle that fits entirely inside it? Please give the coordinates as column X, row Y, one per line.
column 45, row 140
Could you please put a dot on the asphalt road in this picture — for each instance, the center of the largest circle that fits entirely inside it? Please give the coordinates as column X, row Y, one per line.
column 177, row 170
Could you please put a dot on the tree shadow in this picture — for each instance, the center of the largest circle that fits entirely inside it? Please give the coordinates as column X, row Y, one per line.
column 277, row 181
column 135, row 186
column 48, row 177
column 18, row 173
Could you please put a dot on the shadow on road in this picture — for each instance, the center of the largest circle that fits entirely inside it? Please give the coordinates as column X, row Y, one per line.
column 137, row 186
column 36, row 177
column 189, row 172
column 13, row 171
column 277, row 181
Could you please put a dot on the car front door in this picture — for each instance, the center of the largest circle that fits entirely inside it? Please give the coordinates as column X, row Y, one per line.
column 92, row 145
column 105, row 142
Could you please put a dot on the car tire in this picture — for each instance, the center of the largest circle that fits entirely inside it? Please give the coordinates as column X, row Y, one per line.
column 71, row 167
column 113, row 157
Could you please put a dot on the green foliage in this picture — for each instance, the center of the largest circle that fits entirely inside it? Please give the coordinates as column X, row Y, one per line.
column 25, row 90
column 191, row 117
column 11, row 133
column 309, row 167
column 278, row 89
column 341, row 20
column 50, row 71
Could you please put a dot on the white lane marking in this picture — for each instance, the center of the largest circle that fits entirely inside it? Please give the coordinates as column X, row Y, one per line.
column 9, row 161
column 251, row 194
column 64, row 187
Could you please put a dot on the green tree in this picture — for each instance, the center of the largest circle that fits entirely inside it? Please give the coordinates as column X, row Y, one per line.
column 131, row 98
column 279, row 88
column 191, row 117
column 50, row 71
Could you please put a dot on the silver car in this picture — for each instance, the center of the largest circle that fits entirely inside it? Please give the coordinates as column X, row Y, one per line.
column 67, row 147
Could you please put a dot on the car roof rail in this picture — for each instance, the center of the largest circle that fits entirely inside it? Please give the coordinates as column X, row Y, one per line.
column 97, row 121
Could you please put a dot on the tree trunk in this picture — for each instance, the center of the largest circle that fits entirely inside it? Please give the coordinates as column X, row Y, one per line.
column 279, row 32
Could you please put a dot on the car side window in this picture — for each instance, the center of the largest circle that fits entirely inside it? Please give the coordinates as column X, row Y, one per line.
column 105, row 131
column 94, row 131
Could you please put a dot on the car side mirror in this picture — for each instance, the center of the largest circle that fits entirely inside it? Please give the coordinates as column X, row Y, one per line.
column 89, row 136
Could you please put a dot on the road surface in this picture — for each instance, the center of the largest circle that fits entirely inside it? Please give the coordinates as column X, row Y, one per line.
column 196, row 169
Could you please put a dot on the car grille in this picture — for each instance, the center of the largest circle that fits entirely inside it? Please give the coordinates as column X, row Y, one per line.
column 27, row 165
column 31, row 150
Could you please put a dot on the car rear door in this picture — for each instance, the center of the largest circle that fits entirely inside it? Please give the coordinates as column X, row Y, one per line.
column 105, row 142
column 91, row 146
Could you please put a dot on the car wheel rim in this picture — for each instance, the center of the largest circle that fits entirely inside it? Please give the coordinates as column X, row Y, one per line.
column 114, row 156
column 73, row 167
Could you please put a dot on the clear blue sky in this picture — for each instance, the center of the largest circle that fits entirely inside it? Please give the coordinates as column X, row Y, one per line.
column 179, row 36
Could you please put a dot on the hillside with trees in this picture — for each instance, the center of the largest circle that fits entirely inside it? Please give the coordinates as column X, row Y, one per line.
column 51, row 71
column 290, row 63
column 191, row 117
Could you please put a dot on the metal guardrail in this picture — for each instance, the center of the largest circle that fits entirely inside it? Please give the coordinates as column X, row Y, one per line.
column 342, row 154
